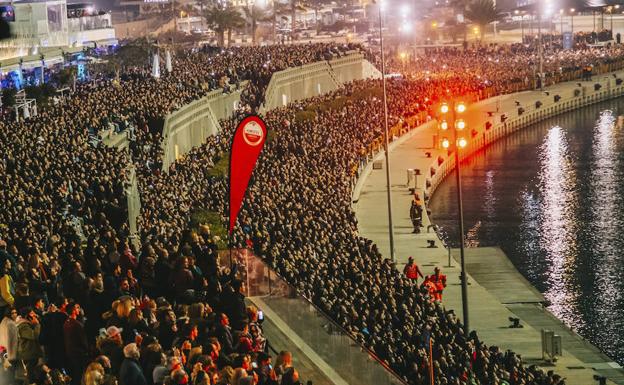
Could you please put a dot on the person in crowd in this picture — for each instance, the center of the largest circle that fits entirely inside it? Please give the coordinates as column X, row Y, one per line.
column 52, row 337
column 130, row 372
column 7, row 286
column 94, row 374
column 9, row 337
column 75, row 341
column 28, row 348
column 111, row 346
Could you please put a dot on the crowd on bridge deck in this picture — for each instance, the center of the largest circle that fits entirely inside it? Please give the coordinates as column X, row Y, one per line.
column 66, row 250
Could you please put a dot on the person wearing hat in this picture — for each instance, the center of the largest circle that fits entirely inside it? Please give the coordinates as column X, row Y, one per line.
column 111, row 345
column 130, row 372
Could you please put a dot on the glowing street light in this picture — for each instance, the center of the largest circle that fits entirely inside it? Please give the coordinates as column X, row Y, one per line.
column 457, row 108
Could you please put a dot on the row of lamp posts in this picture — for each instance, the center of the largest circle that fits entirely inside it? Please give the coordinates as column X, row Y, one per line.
column 449, row 124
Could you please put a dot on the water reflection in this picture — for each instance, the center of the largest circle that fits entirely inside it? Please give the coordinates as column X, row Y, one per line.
column 604, row 222
column 557, row 222
column 552, row 197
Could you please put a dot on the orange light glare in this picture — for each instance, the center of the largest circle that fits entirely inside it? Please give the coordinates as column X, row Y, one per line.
column 461, row 107
column 444, row 108
column 460, row 124
column 445, row 143
column 462, row 142
column 444, row 125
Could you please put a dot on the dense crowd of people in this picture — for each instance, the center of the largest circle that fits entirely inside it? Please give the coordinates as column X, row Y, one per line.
column 82, row 303
column 65, row 246
column 490, row 64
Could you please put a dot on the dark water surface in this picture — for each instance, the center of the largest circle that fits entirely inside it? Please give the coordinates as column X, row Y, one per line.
column 552, row 196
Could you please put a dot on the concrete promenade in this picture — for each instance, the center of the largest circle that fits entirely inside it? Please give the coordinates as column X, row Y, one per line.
column 497, row 291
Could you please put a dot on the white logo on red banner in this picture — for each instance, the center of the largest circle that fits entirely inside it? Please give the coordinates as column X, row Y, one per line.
column 253, row 133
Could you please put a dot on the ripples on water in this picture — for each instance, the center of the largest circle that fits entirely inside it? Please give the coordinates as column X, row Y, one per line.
column 552, row 197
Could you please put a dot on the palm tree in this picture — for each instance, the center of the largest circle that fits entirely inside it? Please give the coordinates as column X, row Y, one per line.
column 256, row 14
column 224, row 19
column 295, row 5
column 482, row 13
column 201, row 10
column 278, row 11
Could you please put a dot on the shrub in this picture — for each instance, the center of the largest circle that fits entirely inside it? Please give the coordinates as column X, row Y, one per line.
column 221, row 169
column 271, row 134
column 304, row 116
column 202, row 218
column 8, row 96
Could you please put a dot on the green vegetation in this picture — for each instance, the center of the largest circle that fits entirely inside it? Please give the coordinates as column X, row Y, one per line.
column 482, row 13
column 40, row 93
column 8, row 96
column 338, row 103
column 221, row 169
column 202, row 219
column 271, row 134
column 65, row 77
column 304, row 116
column 374, row 92
column 224, row 19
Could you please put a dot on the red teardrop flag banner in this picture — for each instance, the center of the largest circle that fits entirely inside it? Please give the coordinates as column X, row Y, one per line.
column 248, row 142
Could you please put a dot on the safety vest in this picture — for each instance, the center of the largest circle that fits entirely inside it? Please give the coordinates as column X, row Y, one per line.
column 411, row 271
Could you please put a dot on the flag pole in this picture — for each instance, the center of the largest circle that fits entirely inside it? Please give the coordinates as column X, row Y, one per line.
column 230, row 247
column 431, row 362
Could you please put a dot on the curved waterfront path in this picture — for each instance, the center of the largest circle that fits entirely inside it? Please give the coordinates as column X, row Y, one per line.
column 497, row 291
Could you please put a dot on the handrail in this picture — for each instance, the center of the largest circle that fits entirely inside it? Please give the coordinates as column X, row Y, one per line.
column 335, row 324
column 370, row 352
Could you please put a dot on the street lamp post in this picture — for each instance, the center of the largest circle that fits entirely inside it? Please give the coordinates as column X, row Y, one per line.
column 616, row 6
column 456, row 126
column 517, row 12
column 572, row 10
column 561, row 21
column 540, row 48
column 385, row 106
column 611, row 17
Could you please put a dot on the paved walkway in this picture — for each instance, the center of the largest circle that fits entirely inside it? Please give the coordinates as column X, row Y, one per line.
column 488, row 315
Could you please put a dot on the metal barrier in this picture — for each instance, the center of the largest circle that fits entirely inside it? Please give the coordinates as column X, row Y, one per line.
column 348, row 356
